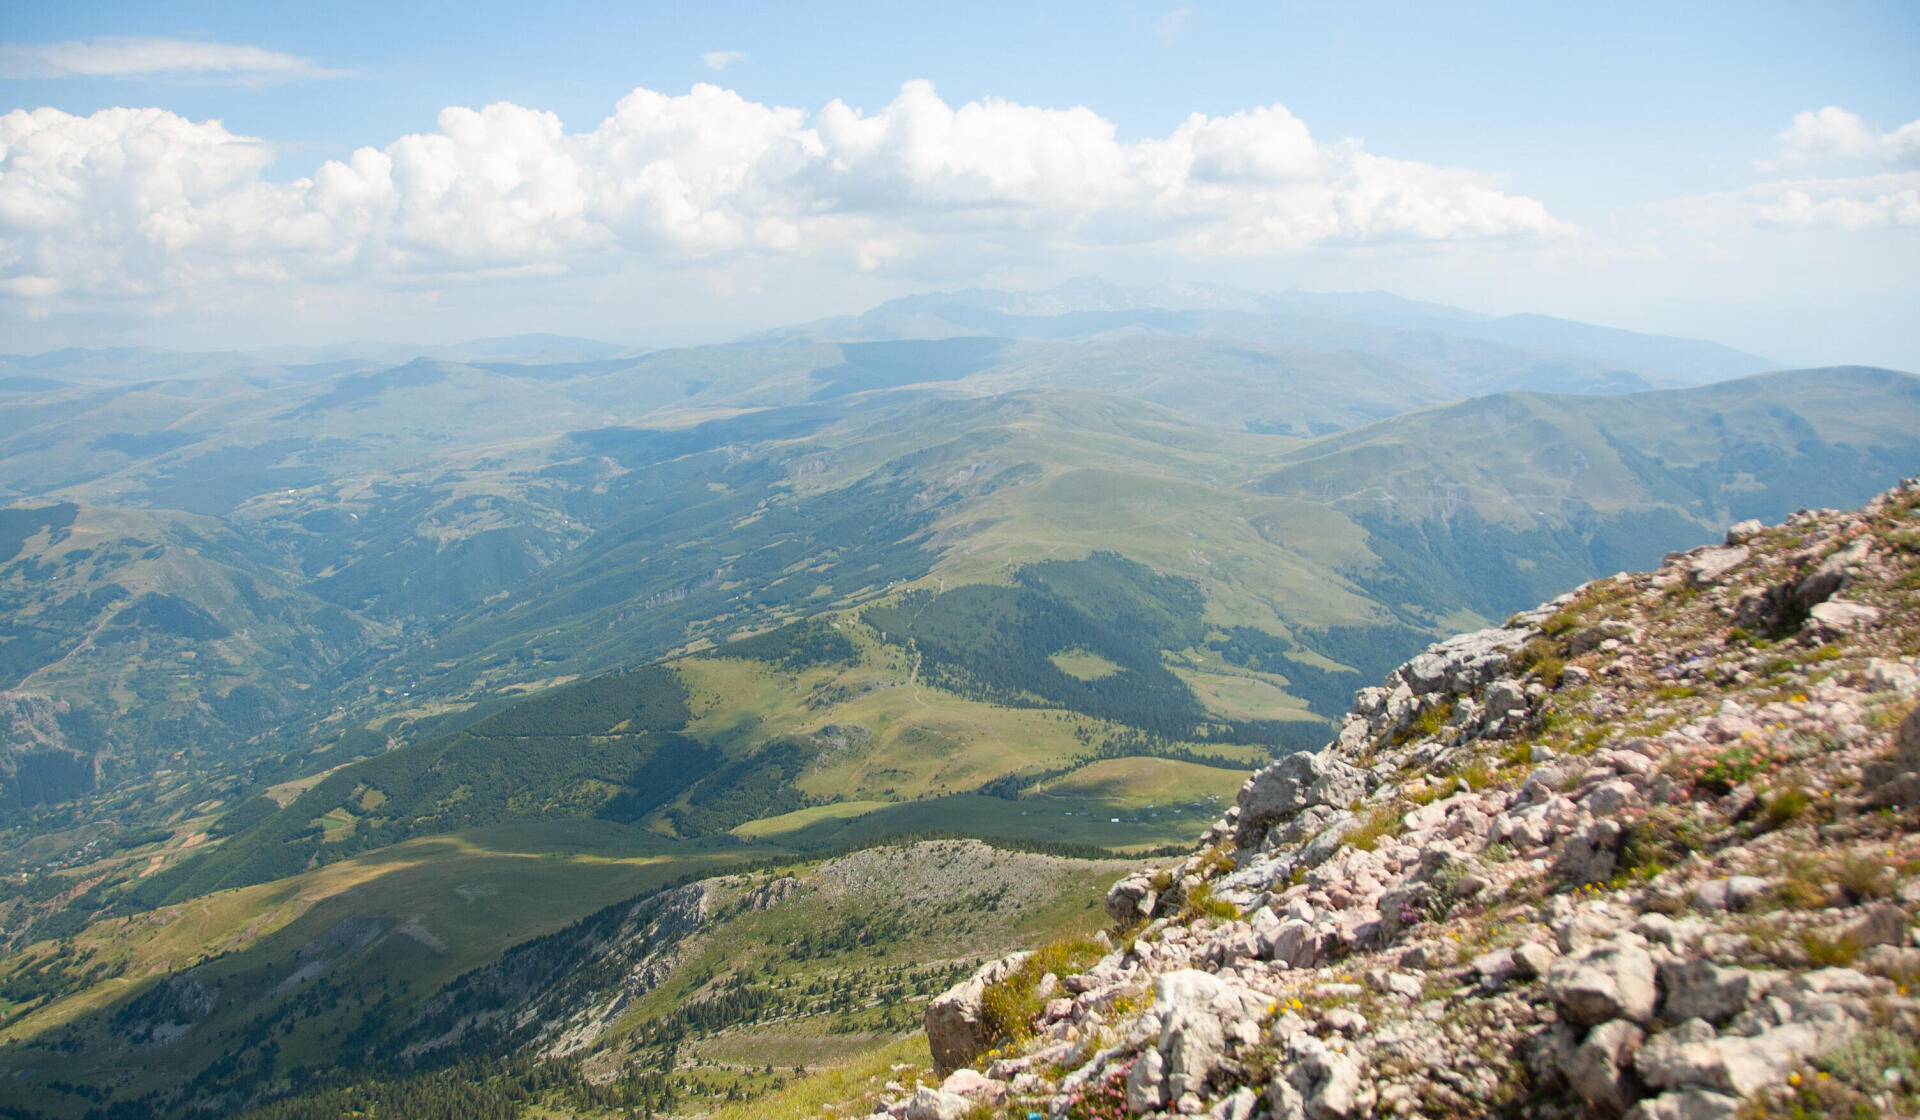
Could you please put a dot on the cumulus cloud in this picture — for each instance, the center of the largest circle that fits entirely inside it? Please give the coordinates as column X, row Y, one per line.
column 1837, row 132
column 1875, row 202
column 145, row 57
column 720, row 60
column 136, row 201
column 1841, row 144
column 1869, row 202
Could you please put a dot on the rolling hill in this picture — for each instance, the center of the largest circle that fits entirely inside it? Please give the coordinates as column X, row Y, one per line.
column 285, row 639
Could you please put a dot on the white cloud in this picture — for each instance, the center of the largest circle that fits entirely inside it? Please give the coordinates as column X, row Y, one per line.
column 131, row 57
column 1837, row 132
column 1837, row 141
column 1174, row 23
column 720, row 60
column 1876, row 202
column 133, row 202
column 1843, row 205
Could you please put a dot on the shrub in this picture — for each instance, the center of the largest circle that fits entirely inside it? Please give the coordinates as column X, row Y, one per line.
column 1429, row 723
column 1805, row 887
column 1786, row 804
column 1201, row 902
column 1105, row 1099
column 1659, row 840
column 1010, row 1006
column 1719, row 769
column 1381, row 821
column 1829, row 952
column 1863, row 878
column 1216, row 861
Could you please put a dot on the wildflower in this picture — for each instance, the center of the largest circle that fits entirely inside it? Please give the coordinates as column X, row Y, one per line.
column 1793, row 1079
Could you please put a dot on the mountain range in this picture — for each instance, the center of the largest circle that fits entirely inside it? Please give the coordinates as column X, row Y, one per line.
column 293, row 640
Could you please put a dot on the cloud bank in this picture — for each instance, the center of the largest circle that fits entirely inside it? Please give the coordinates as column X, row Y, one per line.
column 134, row 202
column 136, row 57
column 1842, row 144
column 1836, row 132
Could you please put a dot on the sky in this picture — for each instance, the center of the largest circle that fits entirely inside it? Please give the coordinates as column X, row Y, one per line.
column 236, row 175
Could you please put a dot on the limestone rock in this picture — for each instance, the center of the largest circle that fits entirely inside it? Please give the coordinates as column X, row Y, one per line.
column 1590, row 855
column 1613, row 980
column 1147, row 1083
column 1707, row 566
column 956, row 1027
column 1132, row 898
column 1700, row 989
column 1600, row 1069
column 1829, row 576
column 1686, row 1104
column 1292, row 784
column 935, row 1104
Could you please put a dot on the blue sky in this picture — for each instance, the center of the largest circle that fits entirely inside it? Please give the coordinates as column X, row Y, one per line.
column 1638, row 165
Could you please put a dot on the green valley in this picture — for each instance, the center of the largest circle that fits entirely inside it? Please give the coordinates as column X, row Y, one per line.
column 596, row 730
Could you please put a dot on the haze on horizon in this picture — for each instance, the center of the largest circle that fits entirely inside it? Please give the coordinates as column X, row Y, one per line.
column 234, row 177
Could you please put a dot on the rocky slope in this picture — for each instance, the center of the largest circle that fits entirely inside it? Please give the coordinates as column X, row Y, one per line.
column 1648, row 850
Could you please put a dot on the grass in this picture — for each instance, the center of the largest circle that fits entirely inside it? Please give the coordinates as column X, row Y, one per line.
column 1829, row 952
column 854, row 1087
column 774, row 828
column 1009, row 1008
column 1428, row 724
column 1663, row 838
column 1084, row 665
column 1241, row 694
column 1784, row 806
column 1140, row 783
column 1201, row 902
column 437, row 908
column 1377, row 824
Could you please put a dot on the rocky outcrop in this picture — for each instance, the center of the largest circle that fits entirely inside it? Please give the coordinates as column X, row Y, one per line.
column 957, row 1027
column 1646, row 851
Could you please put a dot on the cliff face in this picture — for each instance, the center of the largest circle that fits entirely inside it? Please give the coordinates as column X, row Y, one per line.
column 1648, row 850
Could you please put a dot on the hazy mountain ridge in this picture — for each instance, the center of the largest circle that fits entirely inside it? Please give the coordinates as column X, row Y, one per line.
column 359, row 568
column 1430, row 512
column 1187, row 599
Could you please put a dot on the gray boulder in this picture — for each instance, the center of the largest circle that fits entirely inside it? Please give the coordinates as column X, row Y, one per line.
column 1600, row 1069
column 1592, row 854
column 957, row 1031
column 936, row 1104
column 1692, row 1056
column 1829, row 576
column 1132, row 898
column 1700, row 989
column 1687, row 1104
column 1707, row 566
column 1147, row 1083
column 1292, row 784
column 1198, row 1013
column 1613, row 980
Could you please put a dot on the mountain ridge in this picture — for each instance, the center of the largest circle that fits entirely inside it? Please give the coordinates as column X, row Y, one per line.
column 1643, row 851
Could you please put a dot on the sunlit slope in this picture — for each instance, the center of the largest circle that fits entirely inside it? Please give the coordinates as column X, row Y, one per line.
column 518, row 941
column 802, row 733
column 1511, row 498
column 136, row 638
column 235, row 988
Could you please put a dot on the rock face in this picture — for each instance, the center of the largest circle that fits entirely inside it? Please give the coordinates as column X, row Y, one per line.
column 957, row 1030
column 1646, row 851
